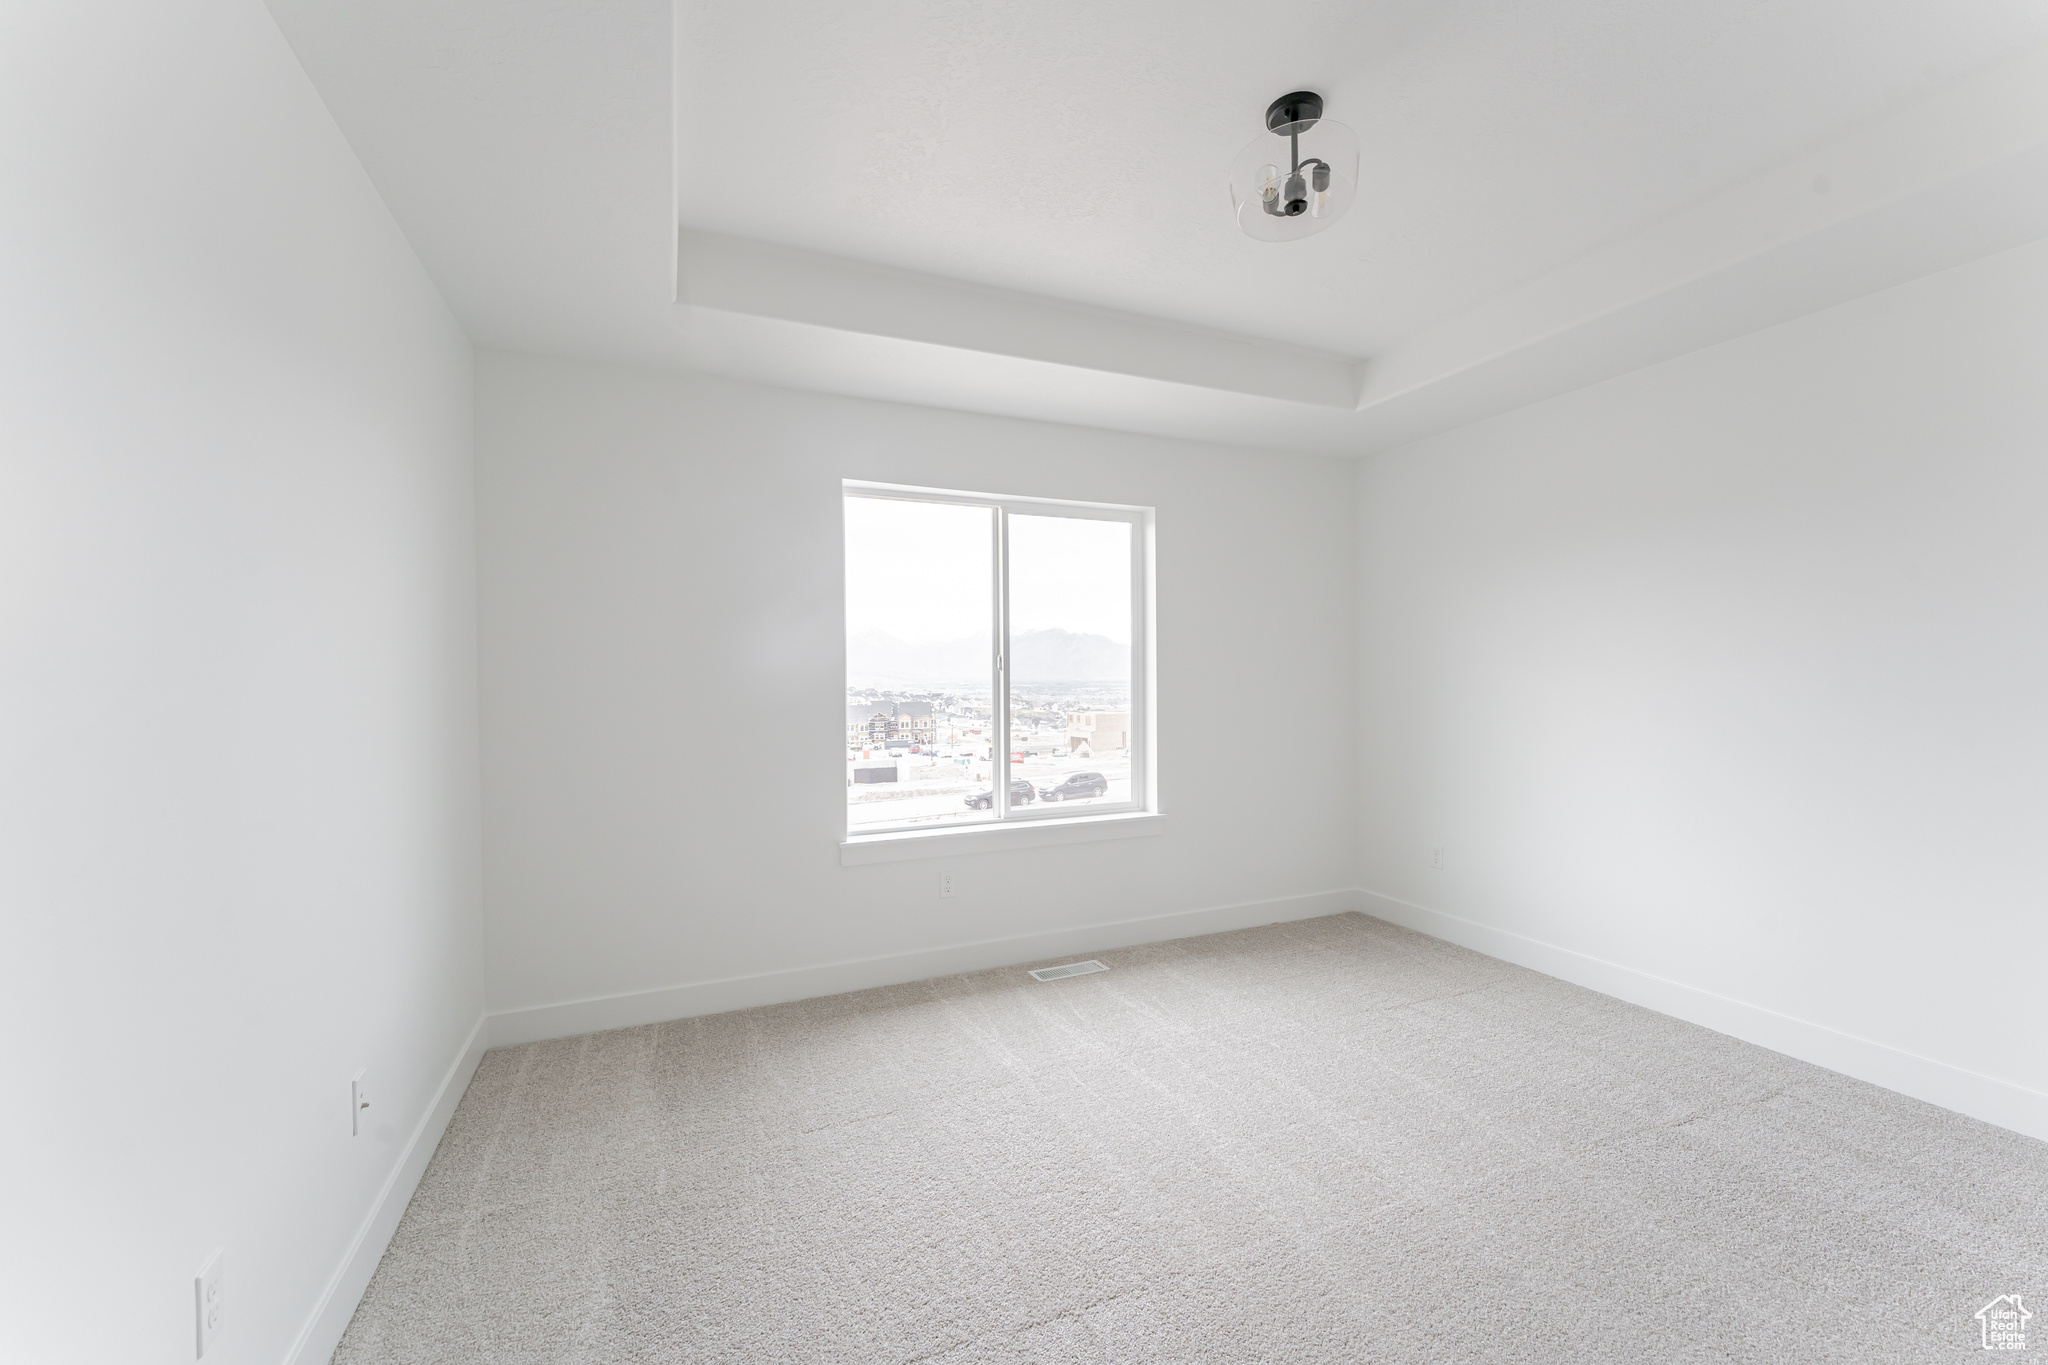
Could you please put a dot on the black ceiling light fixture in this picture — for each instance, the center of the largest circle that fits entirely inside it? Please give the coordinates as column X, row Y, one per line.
column 1297, row 177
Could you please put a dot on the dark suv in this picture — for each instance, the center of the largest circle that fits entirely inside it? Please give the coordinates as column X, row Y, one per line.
column 1076, row 786
column 1020, row 792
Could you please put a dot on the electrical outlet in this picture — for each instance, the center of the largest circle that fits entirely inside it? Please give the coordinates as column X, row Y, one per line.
column 1436, row 857
column 206, row 1304
column 945, row 883
column 358, row 1104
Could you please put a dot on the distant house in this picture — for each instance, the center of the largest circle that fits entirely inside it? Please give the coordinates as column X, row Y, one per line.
column 914, row 721
column 1097, row 731
column 867, row 723
column 876, row 724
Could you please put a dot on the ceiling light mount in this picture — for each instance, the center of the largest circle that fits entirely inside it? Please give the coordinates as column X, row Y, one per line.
column 1297, row 112
column 1299, row 176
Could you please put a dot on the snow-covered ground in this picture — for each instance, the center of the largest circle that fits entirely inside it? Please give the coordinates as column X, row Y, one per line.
column 932, row 788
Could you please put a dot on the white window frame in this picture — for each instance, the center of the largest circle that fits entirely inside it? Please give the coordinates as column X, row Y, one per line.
column 1013, row 828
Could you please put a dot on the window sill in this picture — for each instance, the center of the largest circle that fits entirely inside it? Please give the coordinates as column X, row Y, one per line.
column 946, row 843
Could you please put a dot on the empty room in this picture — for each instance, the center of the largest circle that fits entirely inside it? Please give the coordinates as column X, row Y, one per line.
column 897, row 681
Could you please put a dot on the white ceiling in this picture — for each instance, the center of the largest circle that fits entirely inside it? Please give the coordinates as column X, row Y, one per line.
column 997, row 206
column 1078, row 149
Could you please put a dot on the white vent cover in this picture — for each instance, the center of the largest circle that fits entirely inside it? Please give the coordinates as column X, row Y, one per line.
column 1071, row 969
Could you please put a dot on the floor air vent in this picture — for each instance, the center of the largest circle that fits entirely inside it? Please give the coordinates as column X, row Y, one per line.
column 1071, row 969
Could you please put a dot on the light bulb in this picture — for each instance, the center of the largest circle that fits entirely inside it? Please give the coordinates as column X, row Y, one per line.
column 1294, row 180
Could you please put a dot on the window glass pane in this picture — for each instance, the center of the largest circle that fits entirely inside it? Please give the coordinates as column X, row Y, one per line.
column 1070, row 661
column 920, row 617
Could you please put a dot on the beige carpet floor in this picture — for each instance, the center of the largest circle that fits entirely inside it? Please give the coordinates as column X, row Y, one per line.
column 1326, row 1141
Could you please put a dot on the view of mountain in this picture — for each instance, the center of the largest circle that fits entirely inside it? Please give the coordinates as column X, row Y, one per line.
column 1061, row 656
column 877, row 659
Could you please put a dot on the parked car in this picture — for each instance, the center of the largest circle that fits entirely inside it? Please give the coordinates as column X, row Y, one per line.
column 1020, row 793
column 1077, row 785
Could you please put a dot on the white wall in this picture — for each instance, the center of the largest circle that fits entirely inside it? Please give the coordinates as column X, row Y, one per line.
column 238, row 817
column 1726, row 679
column 663, row 692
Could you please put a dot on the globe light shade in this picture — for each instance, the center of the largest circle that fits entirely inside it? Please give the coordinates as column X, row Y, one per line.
column 1275, row 201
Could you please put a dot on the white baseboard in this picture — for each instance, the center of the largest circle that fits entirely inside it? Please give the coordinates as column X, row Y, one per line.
column 322, row 1332
column 1966, row 1092
column 573, row 1017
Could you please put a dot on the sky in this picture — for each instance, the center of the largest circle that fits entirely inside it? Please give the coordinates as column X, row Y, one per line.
column 921, row 571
